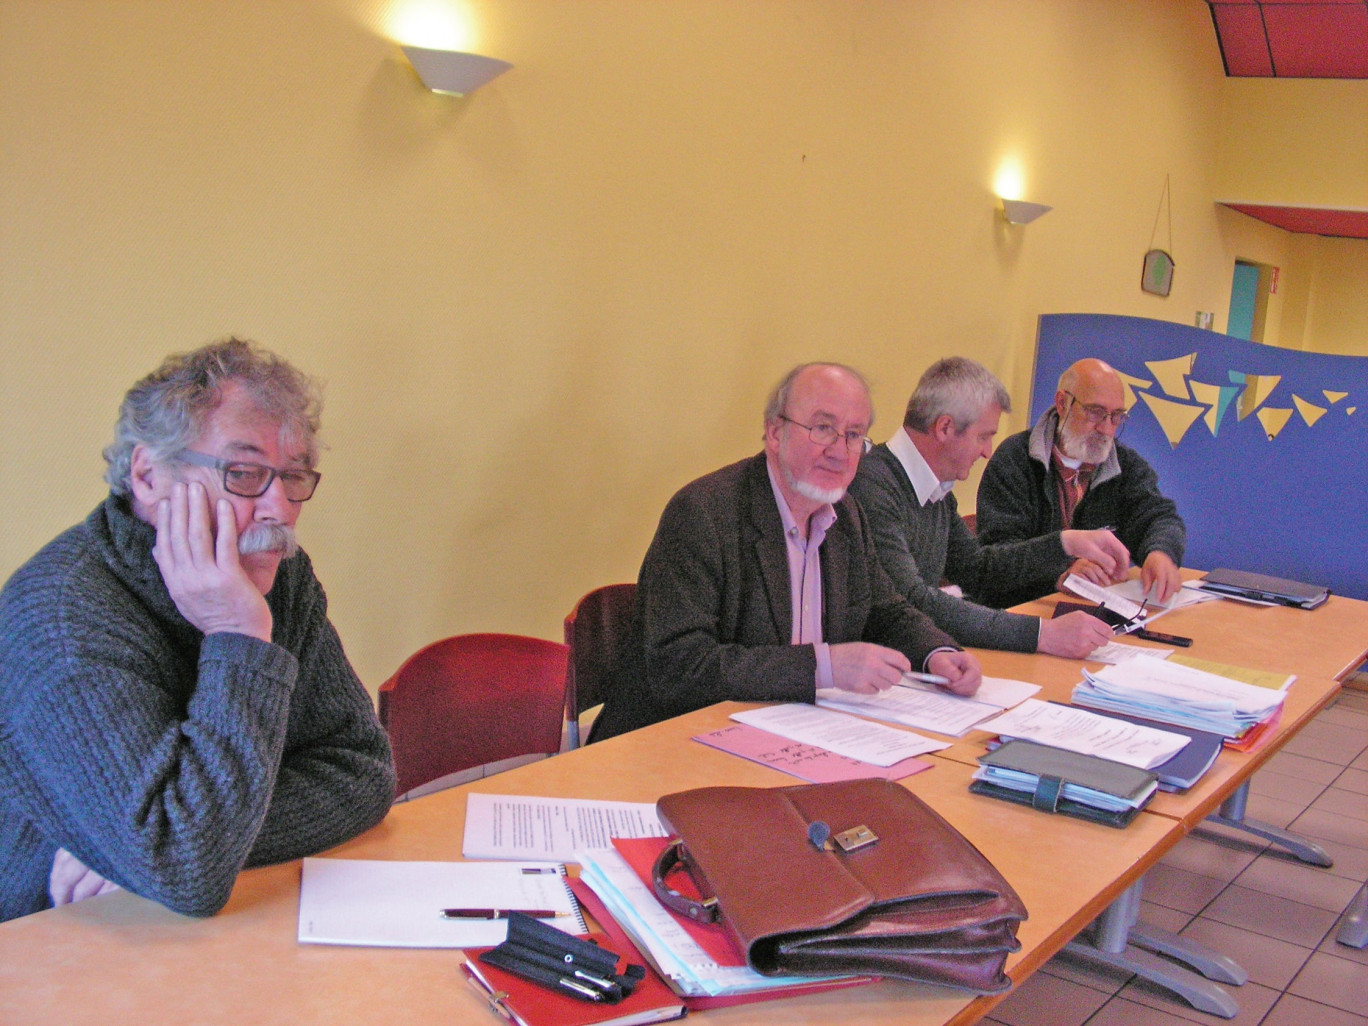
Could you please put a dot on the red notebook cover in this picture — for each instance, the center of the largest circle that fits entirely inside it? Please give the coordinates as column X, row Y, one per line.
column 535, row 1005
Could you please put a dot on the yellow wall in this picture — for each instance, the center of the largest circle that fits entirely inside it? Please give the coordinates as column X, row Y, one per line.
column 1301, row 143
column 542, row 309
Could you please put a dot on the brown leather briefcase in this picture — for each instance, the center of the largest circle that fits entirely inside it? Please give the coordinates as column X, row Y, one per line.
column 857, row 876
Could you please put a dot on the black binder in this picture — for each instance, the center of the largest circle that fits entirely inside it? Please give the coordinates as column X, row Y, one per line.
column 1262, row 588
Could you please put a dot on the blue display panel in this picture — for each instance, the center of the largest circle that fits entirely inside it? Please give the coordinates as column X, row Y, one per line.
column 1265, row 450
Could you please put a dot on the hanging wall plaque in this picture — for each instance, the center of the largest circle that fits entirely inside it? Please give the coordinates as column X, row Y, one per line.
column 1158, row 274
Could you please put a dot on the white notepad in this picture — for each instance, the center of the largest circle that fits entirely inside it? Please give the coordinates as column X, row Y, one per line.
column 398, row 904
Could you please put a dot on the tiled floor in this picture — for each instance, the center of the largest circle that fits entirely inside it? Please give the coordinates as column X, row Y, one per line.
column 1275, row 916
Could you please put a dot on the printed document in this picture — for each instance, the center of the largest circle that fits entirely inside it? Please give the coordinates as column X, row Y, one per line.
column 503, row 826
column 842, row 734
column 1065, row 726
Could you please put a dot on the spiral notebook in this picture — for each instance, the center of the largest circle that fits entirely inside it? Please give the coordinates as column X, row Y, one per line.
column 400, row 904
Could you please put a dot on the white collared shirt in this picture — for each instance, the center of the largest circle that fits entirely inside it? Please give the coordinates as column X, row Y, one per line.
column 919, row 472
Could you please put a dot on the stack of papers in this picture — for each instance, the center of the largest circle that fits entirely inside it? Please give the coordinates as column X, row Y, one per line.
column 1077, row 730
column 1170, row 692
column 681, row 961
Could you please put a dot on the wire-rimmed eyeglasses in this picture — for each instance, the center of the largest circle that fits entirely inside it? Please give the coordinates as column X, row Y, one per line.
column 251, row 480
column 1095, row 414
column 825, row 434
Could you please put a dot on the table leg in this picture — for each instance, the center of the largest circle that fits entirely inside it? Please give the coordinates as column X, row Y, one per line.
column 1353, row 930
column 1232, row 814
column 1118, row 940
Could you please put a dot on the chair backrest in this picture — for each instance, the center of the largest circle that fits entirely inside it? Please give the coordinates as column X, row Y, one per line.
column 597, row 632
column 473, row 699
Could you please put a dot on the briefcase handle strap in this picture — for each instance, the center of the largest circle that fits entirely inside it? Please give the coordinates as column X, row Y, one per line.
column 672, row 857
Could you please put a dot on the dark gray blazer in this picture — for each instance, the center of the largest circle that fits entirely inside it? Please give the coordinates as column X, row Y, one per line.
column 714, row 612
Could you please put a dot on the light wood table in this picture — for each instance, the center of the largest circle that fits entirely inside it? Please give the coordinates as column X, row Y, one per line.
column 120, row 959
column 1317, row 646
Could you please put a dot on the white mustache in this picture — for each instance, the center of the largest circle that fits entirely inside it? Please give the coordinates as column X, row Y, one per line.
column 268, row 538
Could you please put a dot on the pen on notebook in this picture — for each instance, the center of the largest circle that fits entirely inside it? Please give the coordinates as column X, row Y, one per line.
column 501, row 913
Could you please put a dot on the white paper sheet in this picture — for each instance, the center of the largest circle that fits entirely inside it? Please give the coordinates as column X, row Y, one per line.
column 1133, row 591
column 501, row 826
column 1003, row 692
column 837, row 732
column 1131, row 610
column 1065, row 726
column 398, row 904
column 925, row 708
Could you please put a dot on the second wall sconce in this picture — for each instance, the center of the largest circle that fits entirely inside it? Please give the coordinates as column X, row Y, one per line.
column 1021, row 212
column 452, row 72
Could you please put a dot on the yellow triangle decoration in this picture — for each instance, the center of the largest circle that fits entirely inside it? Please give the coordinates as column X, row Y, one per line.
column 1350, row 410
column 1309, row 413
column 1258, row 387
column 1129, row 386
column 1332, row 397
column 1174, row 418
column 1273, row 420
column 1170, row 373
column 1211, row 395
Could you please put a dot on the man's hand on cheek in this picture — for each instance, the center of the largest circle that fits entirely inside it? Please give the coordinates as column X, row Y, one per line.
column 196, row 551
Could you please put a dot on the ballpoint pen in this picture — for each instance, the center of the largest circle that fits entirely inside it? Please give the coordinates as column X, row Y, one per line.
column 926, row 678
column 501, row 913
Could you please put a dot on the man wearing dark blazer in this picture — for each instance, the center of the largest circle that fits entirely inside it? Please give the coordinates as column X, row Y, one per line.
column 762, row 583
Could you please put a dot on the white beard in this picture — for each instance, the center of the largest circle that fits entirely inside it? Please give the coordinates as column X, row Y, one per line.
column 1088, row 446
column 830, row 496
column 268, row 538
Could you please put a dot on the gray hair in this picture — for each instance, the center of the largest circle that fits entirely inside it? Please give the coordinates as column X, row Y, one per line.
column 167, row 410
column 778, row 399
column 956, row 386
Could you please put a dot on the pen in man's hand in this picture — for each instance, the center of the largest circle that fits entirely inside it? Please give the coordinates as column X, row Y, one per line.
column 501, row 913
column 927, row 678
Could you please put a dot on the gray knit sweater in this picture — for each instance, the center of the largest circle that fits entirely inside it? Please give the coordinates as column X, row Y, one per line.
column 163, row 759
column 919, row 546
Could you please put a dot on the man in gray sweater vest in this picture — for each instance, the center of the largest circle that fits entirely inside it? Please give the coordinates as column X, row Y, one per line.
column 174, row 703
column 904, row 488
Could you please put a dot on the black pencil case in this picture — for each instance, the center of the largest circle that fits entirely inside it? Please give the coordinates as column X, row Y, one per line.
column 559, row 962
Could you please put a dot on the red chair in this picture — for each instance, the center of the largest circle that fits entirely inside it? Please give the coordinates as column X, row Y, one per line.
column 473, row 699
column 597, row 632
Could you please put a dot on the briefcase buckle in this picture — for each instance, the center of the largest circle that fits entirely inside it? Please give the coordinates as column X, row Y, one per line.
column 855, row 838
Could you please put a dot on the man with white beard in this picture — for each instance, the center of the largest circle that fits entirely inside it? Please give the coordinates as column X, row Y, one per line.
column 1070, row 473
column 174, row 703
column 762, row 583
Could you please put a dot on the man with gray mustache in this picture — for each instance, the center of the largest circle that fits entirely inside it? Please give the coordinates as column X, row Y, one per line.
column 174, row 703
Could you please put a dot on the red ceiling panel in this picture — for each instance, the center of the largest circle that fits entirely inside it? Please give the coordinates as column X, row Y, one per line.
column 1344, row 224
column 1318, row 41
column 1293, row 38
column 1243, row 42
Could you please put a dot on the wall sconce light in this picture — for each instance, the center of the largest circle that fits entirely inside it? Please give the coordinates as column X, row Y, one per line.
column 453, row 73
column 1021, row 212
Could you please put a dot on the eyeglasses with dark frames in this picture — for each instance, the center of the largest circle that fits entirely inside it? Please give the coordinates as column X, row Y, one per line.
column 825, row 434
column 1097, row 414
column 251, row 480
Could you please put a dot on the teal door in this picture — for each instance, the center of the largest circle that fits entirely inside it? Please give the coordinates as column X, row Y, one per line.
column 1244, row 295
